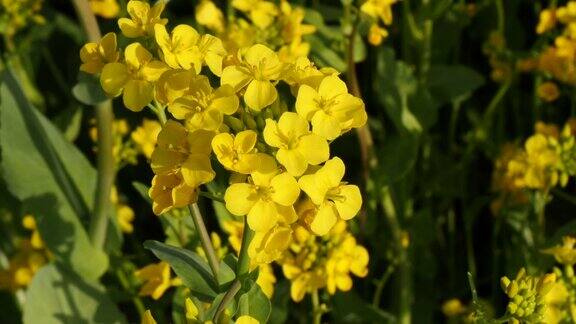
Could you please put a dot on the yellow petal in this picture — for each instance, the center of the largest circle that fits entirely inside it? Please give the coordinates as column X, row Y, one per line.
column 129, row 28
column 245, row 319
column 332, row 172
column 306, row 101
column 147, row 318
column 324, row 219
column 226, row 105
column 245, row 141
column 285, row 189
column 325, row 125
column 191, row 310
column 235, row 77
column 199, row 142
column 260, row 94
column 352, row 202
column 314, row 188
column 272, row 135
column 239, row 198
column 196, row 170
column 293, row 160
column 314, row 148
column 113, row 78
column 262, row 216
column 292, row 126
column 138, row 94
column 331, row 86
column 153, row 70
column 136, row 55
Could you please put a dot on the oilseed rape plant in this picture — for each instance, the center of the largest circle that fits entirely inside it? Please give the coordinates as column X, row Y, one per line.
column 287, row 161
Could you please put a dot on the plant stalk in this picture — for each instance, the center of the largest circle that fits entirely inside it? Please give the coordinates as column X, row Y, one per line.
column 243, row 258
column 104, row 121
column 205, row 239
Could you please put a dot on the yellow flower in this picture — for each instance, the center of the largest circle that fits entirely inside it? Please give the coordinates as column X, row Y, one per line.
column 246, row 319
column 267, row 246
column 302, row 71
column 142, row 18
column 565, row 253
column 203, row 107
column 145, row 136
column 266, row 200
column 297, row 146
column 181, row 151
column 259, row 66
column 376, row 34
column 23, row 266
column 379, row 9
column 134, row 78
column 547, row 21
column 29, row 223
column 291, row 52
column 105, row 8
column 209, row 15
column 179, row 49
column 261, row 12
column 266, row 279
column 453, row 307
column 348, row 258
column 330, row 108
column 291, row 22
column 125, row 216
column 170, row 191
column 526, row 294
column 548, row 91
column 147, row 318
column 95, row 55
column 334, row 199
column 237, row 153
column 157, row 279
column 535, row 168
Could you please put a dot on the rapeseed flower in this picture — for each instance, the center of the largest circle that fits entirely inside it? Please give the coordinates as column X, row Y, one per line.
column 157, row 279
column 261, row 12
column 95, row 55
column 297, row 146
column 105, row 8
column 566, row 252
column 257, row 69
column 237, row 153
column 142, row 18
column 330, row 108
column 209, row 15
column 145, row 135
column 333, row 198
column 134, row 78
column 170, row 191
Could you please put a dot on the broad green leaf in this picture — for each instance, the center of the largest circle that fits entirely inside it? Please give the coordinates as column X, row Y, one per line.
column 254, row 303
column 453, row 82
column 58, row 296
column 397, row 158
column 394, row 86
column 51, row 177
column 88, row 90
column 69, row 121
column 189, row 266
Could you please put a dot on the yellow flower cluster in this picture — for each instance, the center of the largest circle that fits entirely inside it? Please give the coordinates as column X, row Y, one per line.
column 561, row 300
column 19, row 14
column 279, row 27
column 527, row 296
column 378, row 11
column 559, row 59
column 29, row 258
column 157, row 278
column 314, row 262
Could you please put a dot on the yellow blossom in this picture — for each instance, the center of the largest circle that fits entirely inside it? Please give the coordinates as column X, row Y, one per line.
column 261, row 12
column 330, row 108
column 105, row 8
column 334, row 199
column 453, row 307
column 379, row 9
column 145, row 136
column 95, row 55
column 291, row 21
column 134, row 78
column 170, row 191
column 547, row 21
column 376, row 34
column 29, row 223
column 266, row 280
column 297, row 146
column 237, row 153
column 185, row 152
column 209, row 15
column 203, row 107
column 157, row 279
column 258, row 67
column 548, row 91
column 564, row 253
column 142, row 18
column 125, row 216
column 22, row 267
column 269, row 245
column 535, row 168
column 147, row 318
column 246, row 319
column 266, row 200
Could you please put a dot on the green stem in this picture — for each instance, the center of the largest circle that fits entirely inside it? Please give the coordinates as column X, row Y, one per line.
column 104, row 120
column 317, row 310
column 500, row 15
column 205, row 239
column 426, row 57
column 381, row 284
column 160, row 113
column 234, row 289
column 404, row 283
column 243, row 258
column 211, row 196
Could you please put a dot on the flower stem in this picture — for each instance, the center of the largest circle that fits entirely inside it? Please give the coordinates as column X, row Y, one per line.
column 234, row 289
column 205, row 239
column 316, row 308
column 104, row 120
column 211, row 196
column 243, row 258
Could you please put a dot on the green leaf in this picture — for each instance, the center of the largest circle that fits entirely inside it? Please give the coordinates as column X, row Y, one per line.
column 324, row 55
column 254, row 303
column 51, row 177
column 394, row 85
column 142, row 189
column 453, row 82
column 350, row 308
column 397, row 158
column 88, row 90
column 57, row 296
column 189, row 266
column 69, row 121
column 280, row 302
column 226, row 272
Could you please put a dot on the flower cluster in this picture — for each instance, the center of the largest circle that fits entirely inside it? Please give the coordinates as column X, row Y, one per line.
column 378, row 11
column 279, row 27
column 317, row 262
column 527, row 296
column 561, row 300
column 29, row 258
column 16, row 15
